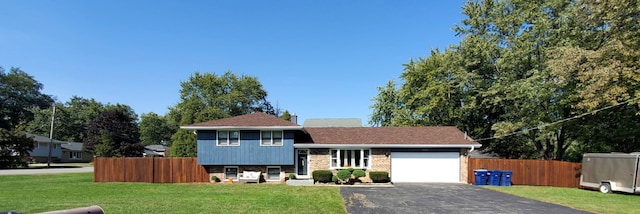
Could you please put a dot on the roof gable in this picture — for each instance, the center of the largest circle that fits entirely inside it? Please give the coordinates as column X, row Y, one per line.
column 431, row 135
column 256, row 119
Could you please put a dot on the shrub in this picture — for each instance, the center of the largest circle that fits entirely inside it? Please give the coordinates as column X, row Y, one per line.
column 343, row 175
column 351, row 170
column 334, row 179
column 379, row 176
column 358, row 173
column 323, row 176
column 215, row 178
column 292, row 176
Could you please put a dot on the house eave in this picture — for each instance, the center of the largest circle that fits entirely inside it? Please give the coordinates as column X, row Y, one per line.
column 417, row 146
column 241, row 127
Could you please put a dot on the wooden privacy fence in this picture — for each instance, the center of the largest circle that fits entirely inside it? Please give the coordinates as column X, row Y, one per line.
column 151, row 170
column 531, row 172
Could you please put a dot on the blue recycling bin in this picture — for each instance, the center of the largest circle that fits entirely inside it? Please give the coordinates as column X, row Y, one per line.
column 505, row 178
column 493, row 177
column 481, row 176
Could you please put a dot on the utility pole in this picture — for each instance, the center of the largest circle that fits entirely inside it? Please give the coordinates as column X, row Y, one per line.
column 53, row 116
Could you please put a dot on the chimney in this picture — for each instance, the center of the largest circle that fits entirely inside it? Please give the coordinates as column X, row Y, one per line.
column 294, row 118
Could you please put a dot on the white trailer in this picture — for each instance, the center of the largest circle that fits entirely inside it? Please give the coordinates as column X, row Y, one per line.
column 611, row 172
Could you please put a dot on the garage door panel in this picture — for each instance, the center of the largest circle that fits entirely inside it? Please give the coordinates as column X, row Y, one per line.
column 425, row 167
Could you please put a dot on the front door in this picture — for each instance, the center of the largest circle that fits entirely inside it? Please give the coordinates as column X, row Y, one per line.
column 302, row 162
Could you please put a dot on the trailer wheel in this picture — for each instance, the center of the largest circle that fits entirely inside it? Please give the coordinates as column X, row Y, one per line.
column 605, row 188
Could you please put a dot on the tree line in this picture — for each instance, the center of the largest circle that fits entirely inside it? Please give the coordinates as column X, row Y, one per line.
column 530, row 79
column 114, row 130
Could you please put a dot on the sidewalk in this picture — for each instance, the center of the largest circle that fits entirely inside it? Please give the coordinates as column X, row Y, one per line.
column 44, row 171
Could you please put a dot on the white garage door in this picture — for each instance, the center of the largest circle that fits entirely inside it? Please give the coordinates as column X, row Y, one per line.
column 425, row 167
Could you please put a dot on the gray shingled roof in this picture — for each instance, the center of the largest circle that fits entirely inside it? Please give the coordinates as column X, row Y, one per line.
column 157, row 148
column 333, row 122
column 44, row 139
column 72, row 146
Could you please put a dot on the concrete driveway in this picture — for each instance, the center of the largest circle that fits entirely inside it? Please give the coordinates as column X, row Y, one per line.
column 441, row 198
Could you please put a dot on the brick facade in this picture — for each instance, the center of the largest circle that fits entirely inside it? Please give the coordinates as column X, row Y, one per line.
column 319, row 160
column 464, row 165
column 380, row 161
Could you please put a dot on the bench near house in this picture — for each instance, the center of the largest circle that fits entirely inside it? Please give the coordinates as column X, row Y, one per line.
column 276, row 147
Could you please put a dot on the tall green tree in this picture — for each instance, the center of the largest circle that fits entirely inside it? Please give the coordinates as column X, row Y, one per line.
column 385, row 105
column 114, row 133
column 71, row 119
column 523, row 65
column 285, row 115
column 155, row 129
column 208, row 96
column 19, row 92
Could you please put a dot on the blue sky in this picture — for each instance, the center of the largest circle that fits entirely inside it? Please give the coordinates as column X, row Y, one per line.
column 318, row 59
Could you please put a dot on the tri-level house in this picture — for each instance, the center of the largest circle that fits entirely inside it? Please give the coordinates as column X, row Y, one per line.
column 276, row 147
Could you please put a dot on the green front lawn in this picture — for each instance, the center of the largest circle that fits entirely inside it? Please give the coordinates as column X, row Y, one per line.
column 38, row 193
column 588, row 200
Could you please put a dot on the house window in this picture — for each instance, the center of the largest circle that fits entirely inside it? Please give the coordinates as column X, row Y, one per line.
column 273, row 173
column 350, row 158
column 56, row 146
column 228, row 138
column 271, row 138
column 231, row 172
column 75, row 155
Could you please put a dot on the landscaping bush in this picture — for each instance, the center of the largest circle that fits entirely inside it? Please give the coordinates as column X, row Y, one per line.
column 379, row 176
column 292, row 176
column 334, row 179
column 359, row 173
column 215, row 178
column 351, row 170
column 323, row 176
column 343, row 175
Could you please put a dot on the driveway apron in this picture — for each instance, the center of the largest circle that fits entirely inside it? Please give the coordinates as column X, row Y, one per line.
column 442, row 198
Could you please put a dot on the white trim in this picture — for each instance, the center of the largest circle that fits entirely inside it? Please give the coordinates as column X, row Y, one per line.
column 271, row 143
column 224, row 172
column 359, row 146
column 228, row 137
column 306, row 165
column 241, row 127
column 279, row 173
column 352, row 160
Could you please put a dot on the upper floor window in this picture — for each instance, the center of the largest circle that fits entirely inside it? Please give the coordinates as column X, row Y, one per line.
column 271, row 138
column 350, row 158
column 228, row 138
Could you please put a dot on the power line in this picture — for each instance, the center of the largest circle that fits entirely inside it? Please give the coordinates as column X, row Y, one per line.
column 557, row 122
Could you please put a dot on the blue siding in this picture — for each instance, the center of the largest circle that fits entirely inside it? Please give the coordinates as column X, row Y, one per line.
column 248, row 153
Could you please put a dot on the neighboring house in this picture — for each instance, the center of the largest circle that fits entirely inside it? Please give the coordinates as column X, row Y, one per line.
column 61, row 151
column 333, row 122
column 72, row 152
column 276, row 147
column 155, row 151
column 40, row 152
